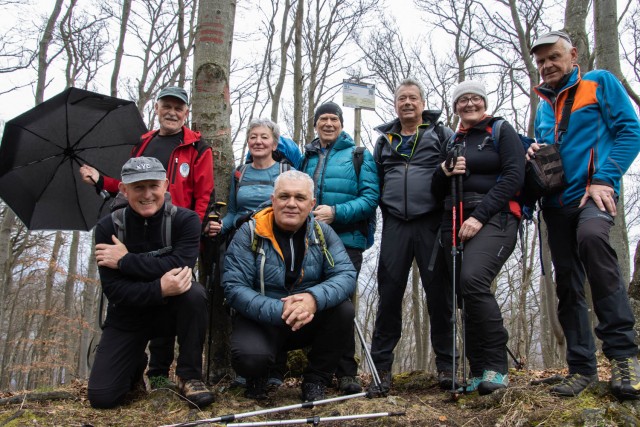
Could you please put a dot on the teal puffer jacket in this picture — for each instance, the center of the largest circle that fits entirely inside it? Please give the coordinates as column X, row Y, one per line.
column 355, row 198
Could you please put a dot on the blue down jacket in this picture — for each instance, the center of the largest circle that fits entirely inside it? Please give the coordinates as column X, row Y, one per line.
column 330, row 279
column 355, row 198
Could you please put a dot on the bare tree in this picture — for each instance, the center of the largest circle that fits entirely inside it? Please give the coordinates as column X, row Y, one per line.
column 211, row 113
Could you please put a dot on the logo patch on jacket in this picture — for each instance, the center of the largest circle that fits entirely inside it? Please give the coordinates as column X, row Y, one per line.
column 184, row 170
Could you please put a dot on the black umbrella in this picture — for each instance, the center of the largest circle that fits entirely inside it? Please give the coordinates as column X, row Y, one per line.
column 43, row 149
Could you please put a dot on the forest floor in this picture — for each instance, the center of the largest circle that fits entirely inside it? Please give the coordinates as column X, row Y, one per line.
column 415, row 394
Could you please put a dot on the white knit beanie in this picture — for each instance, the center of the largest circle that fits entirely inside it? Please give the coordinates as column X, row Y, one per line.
column 469, row 86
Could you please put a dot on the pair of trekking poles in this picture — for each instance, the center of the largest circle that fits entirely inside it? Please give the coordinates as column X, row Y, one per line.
column 315, row 420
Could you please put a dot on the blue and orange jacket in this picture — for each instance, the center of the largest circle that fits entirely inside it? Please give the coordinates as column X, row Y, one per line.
column 603, row 137
column 190, row 171
column 330, row 282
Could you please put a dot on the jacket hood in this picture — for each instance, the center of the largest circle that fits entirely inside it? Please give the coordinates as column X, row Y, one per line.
column 394, row 126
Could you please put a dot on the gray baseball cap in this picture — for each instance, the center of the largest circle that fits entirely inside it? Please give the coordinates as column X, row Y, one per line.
column 176, row 92
column 549, row 38
column 142, row 169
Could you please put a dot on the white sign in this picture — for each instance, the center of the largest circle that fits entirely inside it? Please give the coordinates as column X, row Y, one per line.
column 358, row 95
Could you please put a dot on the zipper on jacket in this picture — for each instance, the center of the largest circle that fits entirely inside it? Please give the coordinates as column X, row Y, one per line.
column 293, row 254
column 173, row 172
column 145, row 228
column 406, row 191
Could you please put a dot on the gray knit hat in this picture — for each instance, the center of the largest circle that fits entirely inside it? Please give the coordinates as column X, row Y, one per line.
column 469, row 86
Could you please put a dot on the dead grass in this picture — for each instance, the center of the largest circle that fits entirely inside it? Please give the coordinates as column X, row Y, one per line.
column 416, row 394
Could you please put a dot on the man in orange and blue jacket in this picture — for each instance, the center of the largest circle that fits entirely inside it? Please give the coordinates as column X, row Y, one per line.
column 600, row 143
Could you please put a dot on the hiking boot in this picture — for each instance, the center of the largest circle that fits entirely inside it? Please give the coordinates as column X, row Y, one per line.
column 446, row 380
column 349, row 385
column 472, row 385
column 492, row 381
column 573, row 384
column 161, row 382
column 196, row 392
column 385, row 385
column 239, row 381
column 274, row 382
column 625, row 378
column 312, row 392
column 256, row 388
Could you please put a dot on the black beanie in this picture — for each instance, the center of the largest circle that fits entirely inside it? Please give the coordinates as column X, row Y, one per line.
column 328, row 108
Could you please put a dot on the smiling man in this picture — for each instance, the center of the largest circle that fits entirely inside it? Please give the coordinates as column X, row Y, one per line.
column 150, row 289
column 406, row 154
column 600, row 143
column 347, row 195
column 189, row 165
column 288, row 279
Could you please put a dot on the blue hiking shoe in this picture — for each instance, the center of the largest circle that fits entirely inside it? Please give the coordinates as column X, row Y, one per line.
column 472, row 385
column 492, row 381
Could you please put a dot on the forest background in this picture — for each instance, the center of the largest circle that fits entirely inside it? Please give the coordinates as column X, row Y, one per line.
column 287, row 57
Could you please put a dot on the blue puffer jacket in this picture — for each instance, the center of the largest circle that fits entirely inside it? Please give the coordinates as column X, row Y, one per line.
column 603, row 137
column 330, row 281
column 337, row 185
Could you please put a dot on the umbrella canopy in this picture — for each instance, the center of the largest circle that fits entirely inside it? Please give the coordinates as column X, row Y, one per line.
column 42, row 150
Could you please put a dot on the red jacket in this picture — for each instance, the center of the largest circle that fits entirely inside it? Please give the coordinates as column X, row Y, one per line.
column 190, row 171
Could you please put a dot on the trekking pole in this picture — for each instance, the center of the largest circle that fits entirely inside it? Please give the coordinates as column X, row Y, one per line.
column 519, row 363
column 213, row 279
column 317, row 419
column 367, row 355
column 232, row 417
column 459, row 179
column 454, row 256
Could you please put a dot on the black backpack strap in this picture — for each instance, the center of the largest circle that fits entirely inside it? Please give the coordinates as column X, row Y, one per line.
column 358, row 159
column 566, row 113
column 201, row 146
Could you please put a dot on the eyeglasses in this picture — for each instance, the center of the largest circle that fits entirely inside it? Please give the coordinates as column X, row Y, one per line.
column 464, row 100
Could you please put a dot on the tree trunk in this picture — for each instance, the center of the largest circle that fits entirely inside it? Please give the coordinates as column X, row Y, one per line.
column 554, row 344
column 90, row 329
column 69, row 343
column 608, row 58
column 211, row 116
column 575, row 18
column 416, row 311
column 5, row 254
column 117, row 61
column 44, row 337
column 43, row 49
column 298, row 101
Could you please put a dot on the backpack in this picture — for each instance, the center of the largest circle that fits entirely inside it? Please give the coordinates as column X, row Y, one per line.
column 257, row 243
column 368, row 225
column 240, row 170
column 527, row 204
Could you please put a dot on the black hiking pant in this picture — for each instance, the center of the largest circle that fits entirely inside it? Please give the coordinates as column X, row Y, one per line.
column 402, row 241
column 477, row 266
column 255, row 345
column 579, row 243
column 121, row 359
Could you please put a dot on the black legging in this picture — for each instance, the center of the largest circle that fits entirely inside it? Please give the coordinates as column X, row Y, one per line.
column 481, row 260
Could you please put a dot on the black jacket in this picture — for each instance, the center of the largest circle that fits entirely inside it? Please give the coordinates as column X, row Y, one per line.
column 133, row 289
column 405, row 182
column 493, row 177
